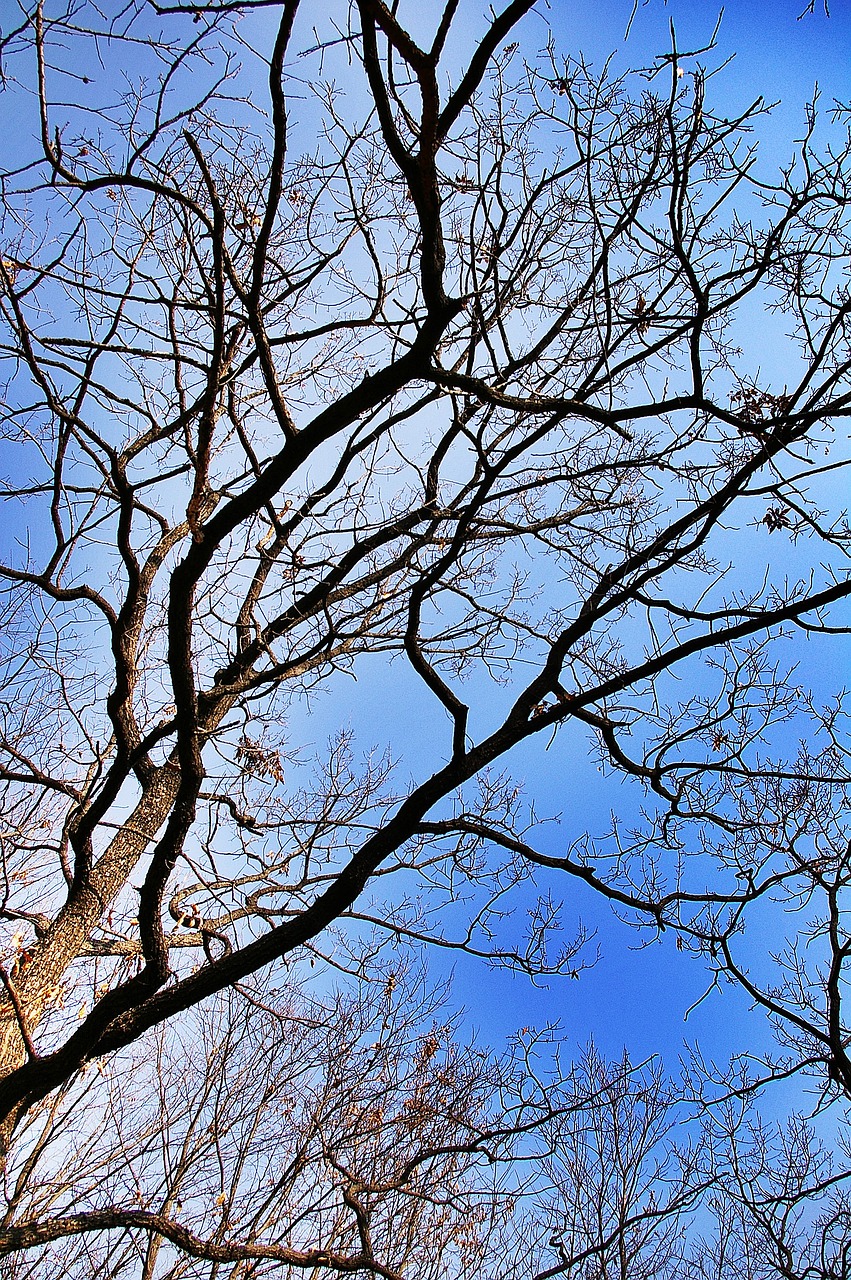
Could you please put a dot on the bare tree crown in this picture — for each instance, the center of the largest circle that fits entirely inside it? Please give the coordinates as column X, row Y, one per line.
column 380, row 357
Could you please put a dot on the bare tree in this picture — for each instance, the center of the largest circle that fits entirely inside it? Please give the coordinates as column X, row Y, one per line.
column 356, row 1135
column 447, row 377
column 280, row 1133
column 353, row 1134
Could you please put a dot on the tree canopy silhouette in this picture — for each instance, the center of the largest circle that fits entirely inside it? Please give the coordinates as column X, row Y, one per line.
column 424, row 358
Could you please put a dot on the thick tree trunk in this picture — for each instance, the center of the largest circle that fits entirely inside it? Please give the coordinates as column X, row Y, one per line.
column 36, row 985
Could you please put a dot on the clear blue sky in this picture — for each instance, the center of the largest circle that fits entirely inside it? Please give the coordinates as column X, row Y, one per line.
column 633, row 997
column 638, row 997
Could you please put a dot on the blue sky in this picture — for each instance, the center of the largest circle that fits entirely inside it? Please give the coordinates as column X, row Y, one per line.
column 637, row 995
column 634, row 996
